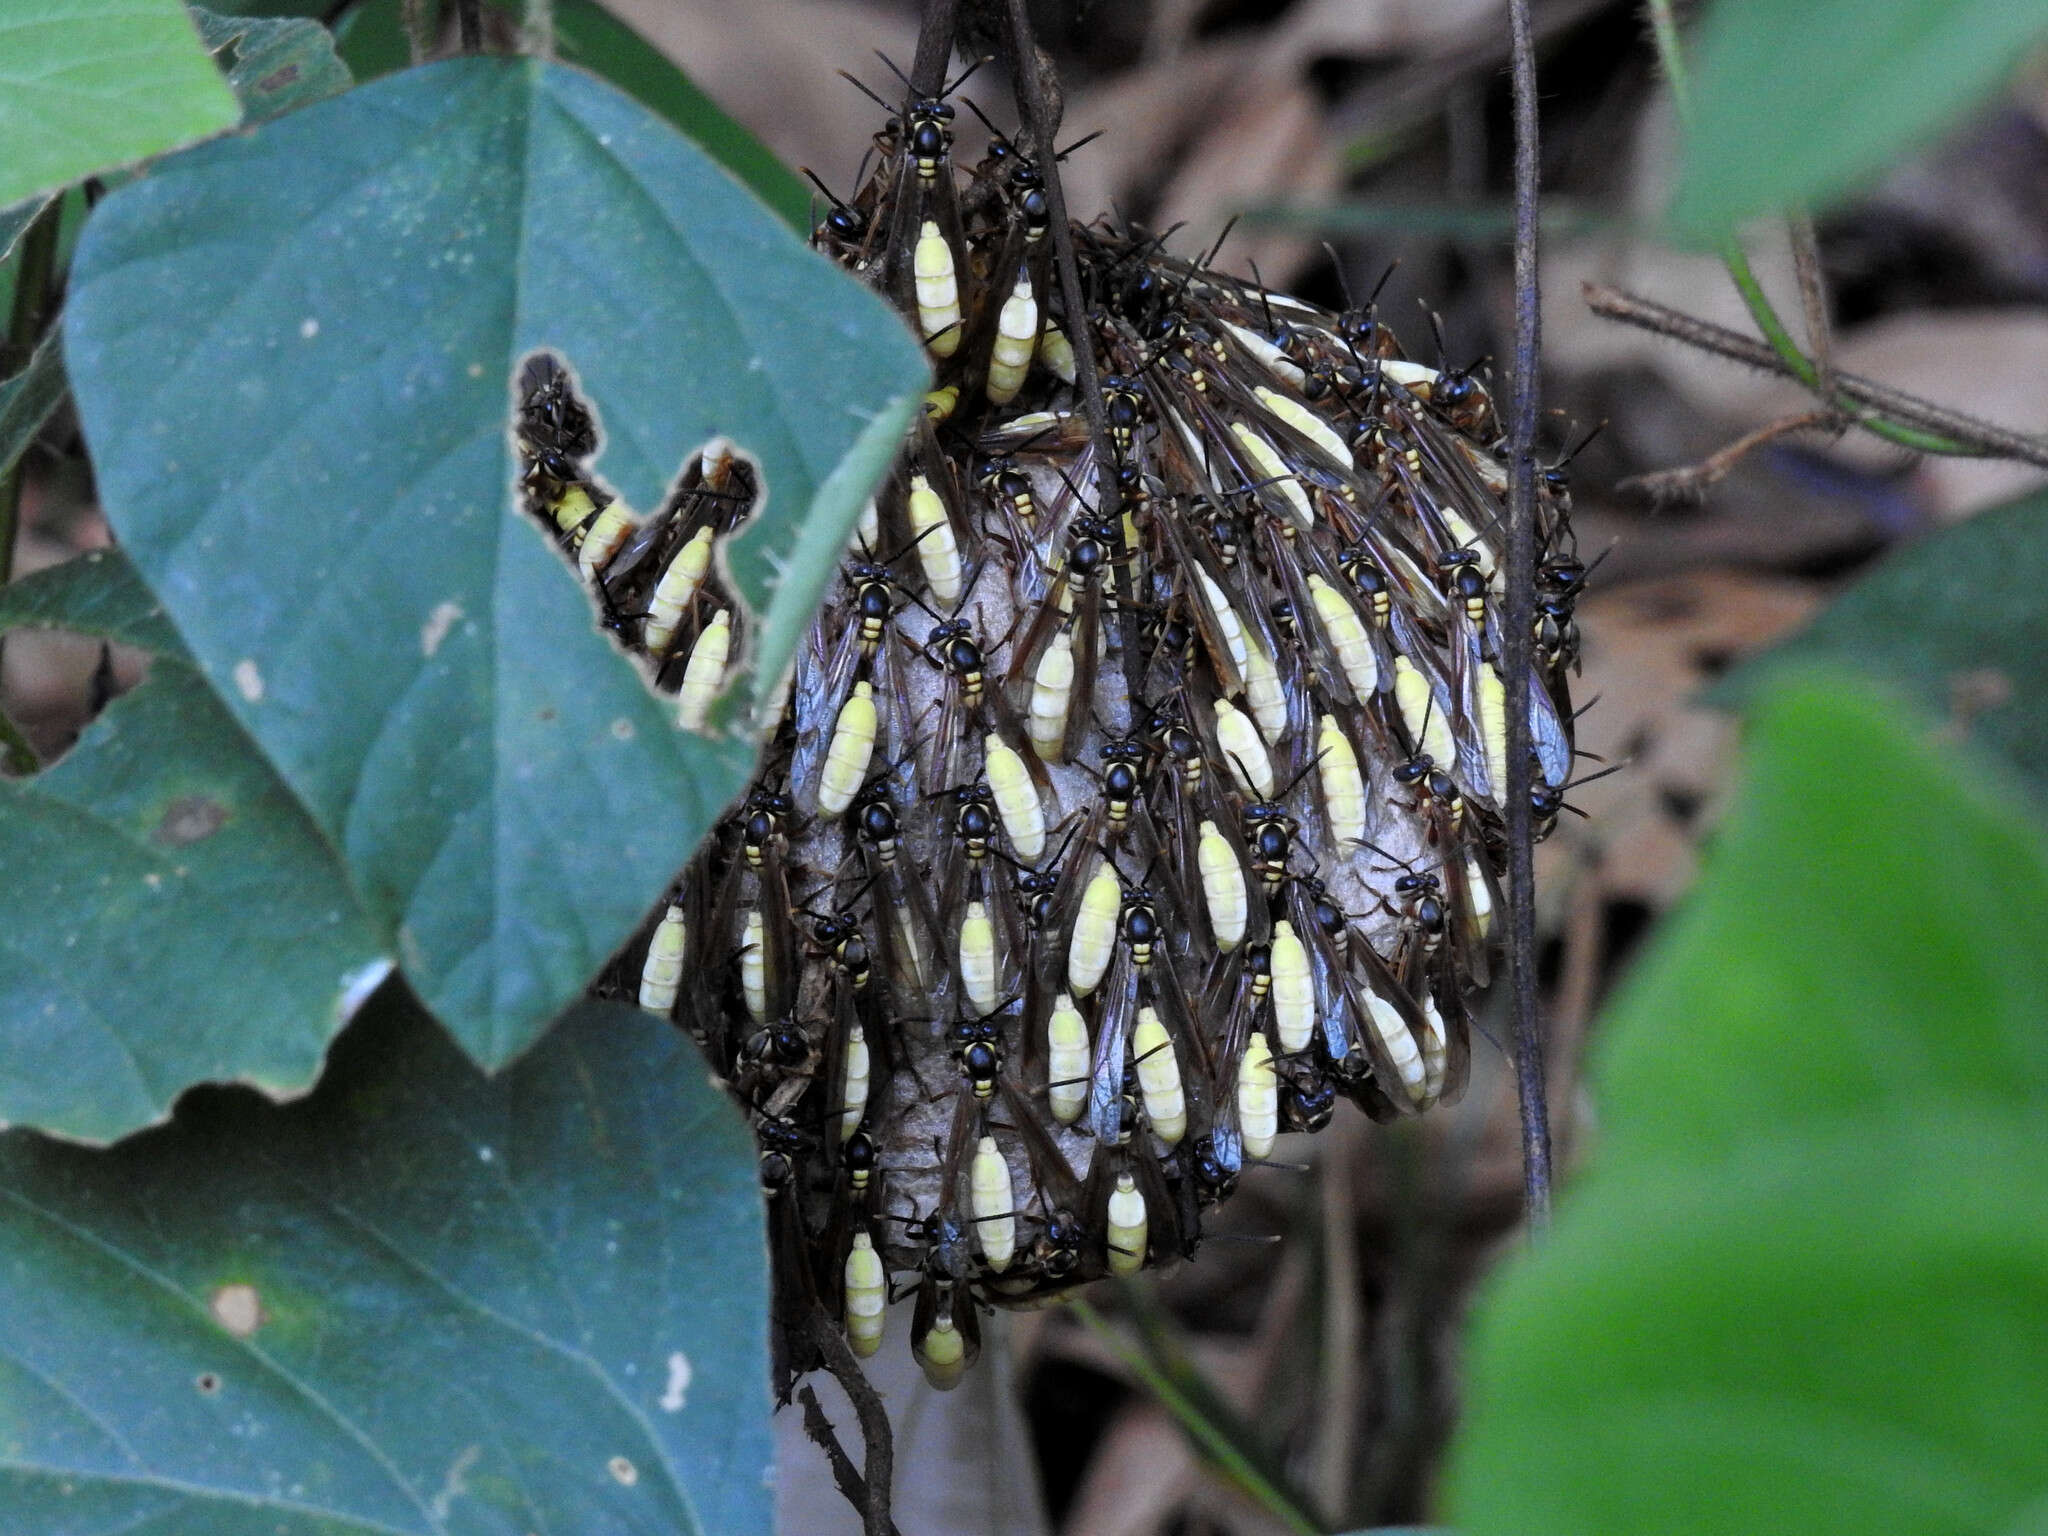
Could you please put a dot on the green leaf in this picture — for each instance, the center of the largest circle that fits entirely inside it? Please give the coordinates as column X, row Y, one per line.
column 1799, row 99
column 1955, row 621
column 170, row 915
column 280, row 64
column 419, row 1302
column 97, row 594
column 29, row 399
column 1800, row 1286
column 304, row 451
column 89, row 84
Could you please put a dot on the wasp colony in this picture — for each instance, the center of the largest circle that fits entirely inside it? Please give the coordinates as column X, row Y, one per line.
column 1139, row 792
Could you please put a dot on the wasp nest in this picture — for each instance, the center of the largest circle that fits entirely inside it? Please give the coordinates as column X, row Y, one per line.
column 1138, row 796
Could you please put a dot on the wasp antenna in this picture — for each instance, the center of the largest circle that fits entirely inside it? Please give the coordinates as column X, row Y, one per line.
column 1374, row 297
column 1611, row 768
column 922, row 605
column 1265, row 304
column 1398, row 861
column 896, row 72
column 1343, row 282
column 860, row 85
column 963, row 77
column 1580, row 446
column 814, row 179
column 1084, row 140
column 1436, row 326
column 994, row 131
column 1216, row 249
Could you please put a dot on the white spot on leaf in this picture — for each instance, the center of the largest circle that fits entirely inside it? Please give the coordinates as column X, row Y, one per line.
column 678, row 1389
column 456, row 1483
column 237, row 1308
column 439, row 622
column 309, row 328
column 623, row 1472
column 249, row 680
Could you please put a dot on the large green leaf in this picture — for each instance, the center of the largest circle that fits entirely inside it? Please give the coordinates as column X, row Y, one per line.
column 293, row 354
column 1801, row 1286
column 1957, row 621
column 1798, row 99
column 89, row 84
column 420, row 1302
column 169, row 914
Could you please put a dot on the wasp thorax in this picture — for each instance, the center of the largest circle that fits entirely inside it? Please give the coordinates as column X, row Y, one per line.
column 1137, row 796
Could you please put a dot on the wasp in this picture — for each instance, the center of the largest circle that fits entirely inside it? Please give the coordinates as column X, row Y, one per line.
column 986, row 948
column 913, row 954
column 1053, row 666
column 1141, row 976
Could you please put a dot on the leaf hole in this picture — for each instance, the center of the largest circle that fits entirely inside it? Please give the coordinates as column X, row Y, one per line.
column 659, row 581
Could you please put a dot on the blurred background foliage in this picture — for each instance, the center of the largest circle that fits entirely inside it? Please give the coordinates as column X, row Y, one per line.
column 1797, row 1281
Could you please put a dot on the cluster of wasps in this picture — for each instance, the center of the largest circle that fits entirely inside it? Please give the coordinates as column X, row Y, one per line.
column 1139, row 792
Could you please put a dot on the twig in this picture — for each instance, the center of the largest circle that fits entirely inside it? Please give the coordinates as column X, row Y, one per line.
column 1813, row 301
column 1689, row 482
column 845, row 1475
column 469, row 25
column 1336, row 1435
column 1816, row 376
column 419, row 39
column 1041, row 114
column 1524, row 388
column 1975, row 437
column 878, row 1445
column 934, row 48
column 537, row 29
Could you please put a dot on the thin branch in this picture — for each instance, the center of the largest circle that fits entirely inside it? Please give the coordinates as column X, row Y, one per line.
column 1813, row 301
column 1041, row 112
column 845, row 1475
column 537, row 29
column 878, row 1444
column 934, row 48
column 419, row 29
column 1517, row 643
column 1816, row 376
column 1689, row 482
column 1974, row 437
